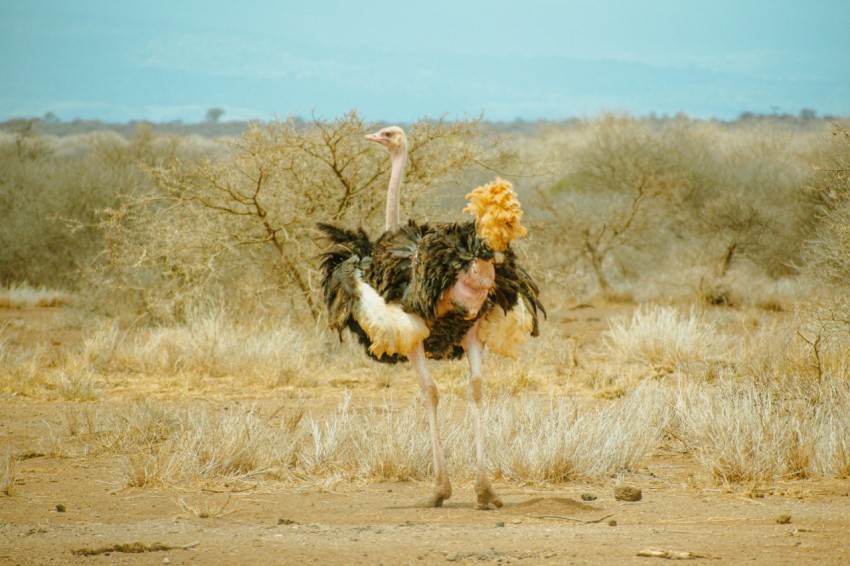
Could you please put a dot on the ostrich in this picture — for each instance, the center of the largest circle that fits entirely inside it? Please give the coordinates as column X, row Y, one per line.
column 437, row 291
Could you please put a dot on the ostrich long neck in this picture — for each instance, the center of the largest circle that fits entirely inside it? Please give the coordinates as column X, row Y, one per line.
column 399, row 158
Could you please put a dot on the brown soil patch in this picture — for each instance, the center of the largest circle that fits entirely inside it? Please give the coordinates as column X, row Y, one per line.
column 548, row 505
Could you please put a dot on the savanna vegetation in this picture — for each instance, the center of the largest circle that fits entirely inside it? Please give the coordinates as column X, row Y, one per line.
column 721, row 252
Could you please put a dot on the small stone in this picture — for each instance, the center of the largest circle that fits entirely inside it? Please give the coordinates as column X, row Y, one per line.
column 588, row 497
column 627, row 493
column 612, row 522
column 60, row 508
column 783, row 519
column 500, row 524
column 166, row 560
column 286, row 522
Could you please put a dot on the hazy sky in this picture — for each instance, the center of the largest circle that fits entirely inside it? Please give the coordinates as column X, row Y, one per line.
column 398, row 60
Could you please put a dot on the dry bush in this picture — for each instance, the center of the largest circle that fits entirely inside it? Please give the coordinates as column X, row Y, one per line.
column 677, row 202
column 529, row 440
column 662, row 337
column 753, row 207
column 8, row 473
column 773, row 352
column 24, row 296
column 748, row 430
column 770, row 410
column 738, row 430
column 242, row 228
column 233, row 446
column 208, row 507
column 209, row 343
column 24, row 370
column 613, row 183
column 76, row 386
column 827, row 329
column 51, row 190
column 168, row 447
column 638, row 208
column 557, row 440
column 830, row 249
column 753, row 345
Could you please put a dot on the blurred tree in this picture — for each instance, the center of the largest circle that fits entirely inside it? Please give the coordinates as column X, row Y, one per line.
column 826, row 329
column 829, row 251
column 618, row 180
column 214, row 115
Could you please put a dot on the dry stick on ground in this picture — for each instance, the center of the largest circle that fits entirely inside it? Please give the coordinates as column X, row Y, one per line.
column 590, row 522
column 132, row 548
column 673, row 554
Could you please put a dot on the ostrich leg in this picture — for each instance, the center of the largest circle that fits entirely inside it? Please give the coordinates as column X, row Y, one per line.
column 431, row 399
column 474, row 352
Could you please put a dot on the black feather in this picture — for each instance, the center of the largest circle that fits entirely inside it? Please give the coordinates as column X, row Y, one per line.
column 349, row 252
column 414, row 265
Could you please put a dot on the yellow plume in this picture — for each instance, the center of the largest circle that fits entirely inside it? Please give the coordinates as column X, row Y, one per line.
column 497, row 212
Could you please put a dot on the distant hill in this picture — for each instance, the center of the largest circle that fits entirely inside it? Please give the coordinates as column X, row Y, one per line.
column 52, row 126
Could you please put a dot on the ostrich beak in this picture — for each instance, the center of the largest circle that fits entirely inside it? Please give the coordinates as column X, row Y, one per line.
column 373, row 137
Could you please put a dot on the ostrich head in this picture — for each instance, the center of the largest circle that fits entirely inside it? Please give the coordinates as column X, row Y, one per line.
column 391, row 137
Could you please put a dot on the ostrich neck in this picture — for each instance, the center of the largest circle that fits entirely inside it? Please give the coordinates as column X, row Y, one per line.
column 394, row 190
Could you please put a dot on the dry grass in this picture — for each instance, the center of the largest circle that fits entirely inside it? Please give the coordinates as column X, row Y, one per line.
column 743, row 431
column 170, row 447
column 25, row 371
column 209, row 344
column 736, row 432
column 209, row 507
column 743, row 393
column 557, row 440
column 660, row 336
column 8, row 473
column 200, row 448
column 24, row 296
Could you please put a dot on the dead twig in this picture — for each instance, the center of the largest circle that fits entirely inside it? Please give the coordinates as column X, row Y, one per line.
column 574, row 519
column 700, row 521
column 132, row 548
column 673, row 554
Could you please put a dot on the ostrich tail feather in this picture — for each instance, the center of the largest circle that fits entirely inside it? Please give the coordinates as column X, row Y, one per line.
column 504, row 333
column 390, row 329
column 497, row 214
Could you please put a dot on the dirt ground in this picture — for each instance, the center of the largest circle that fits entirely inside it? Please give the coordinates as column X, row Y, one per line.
column 75, row 511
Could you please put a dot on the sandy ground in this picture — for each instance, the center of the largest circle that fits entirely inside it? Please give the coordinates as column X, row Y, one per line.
column 75, row 511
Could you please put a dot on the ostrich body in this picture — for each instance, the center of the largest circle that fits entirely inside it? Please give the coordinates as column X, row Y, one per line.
column 437, row 291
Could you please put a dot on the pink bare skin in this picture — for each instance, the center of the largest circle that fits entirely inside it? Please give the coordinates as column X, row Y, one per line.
column 470, row 290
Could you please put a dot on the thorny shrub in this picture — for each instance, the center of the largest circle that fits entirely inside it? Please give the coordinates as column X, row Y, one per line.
column 242, row 228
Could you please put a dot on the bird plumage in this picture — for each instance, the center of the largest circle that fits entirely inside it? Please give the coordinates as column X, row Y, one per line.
column 414, row 267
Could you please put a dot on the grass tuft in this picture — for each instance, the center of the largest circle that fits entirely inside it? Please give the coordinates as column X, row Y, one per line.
column 8, row 473
column 661, row 337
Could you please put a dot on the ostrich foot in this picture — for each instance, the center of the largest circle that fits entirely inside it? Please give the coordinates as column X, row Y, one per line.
column 440, row 494
column 486, row 495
